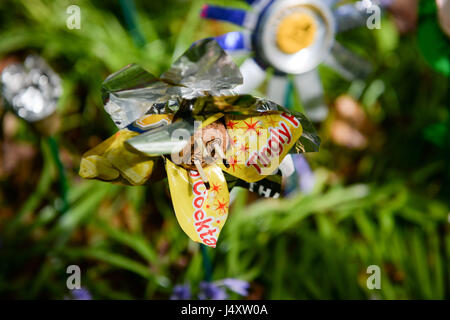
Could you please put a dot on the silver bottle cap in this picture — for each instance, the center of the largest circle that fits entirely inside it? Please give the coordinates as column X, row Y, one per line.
column 307, row 58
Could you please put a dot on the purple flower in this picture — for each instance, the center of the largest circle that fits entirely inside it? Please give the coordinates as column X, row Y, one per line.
column 305, row 175
column 80, row 294
column 216, row 290
column 181, row 292
column 211, row 291
column 239, row 286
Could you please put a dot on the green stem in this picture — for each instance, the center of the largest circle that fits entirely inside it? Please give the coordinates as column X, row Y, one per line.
column 129, row 13
column 288, row 103
column 63, row 184
column 207, row 265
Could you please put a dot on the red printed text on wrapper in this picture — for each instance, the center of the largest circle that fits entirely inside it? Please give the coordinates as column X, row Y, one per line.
column 279, row 137
column 202, row 222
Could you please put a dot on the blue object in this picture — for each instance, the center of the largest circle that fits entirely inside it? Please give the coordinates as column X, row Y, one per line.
column 236, row 285
column 232, row 41
column 210, row 291
column 235, row 16
column 79, row 294
column 181, row 292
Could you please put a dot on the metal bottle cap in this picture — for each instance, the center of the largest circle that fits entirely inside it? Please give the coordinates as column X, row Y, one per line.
column 320, row 21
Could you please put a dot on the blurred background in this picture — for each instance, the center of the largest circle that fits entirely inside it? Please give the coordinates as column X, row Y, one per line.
column 381, row 192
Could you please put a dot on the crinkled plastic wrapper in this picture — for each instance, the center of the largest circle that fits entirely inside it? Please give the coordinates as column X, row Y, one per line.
column 190, row 113
column 31, row 90
column 132, row 92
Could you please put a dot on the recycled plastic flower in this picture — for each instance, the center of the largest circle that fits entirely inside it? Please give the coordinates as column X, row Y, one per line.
column 293, row 37
column 207, row 139
column 30, row 89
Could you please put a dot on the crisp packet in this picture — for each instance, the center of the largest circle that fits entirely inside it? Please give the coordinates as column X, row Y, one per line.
column 201, row 212
column 259, row 144
column 208, row 139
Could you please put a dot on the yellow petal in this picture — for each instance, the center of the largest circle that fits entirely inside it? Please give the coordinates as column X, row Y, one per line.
column 201, row 213
column 110, row 158
column 258, row 144
column 97, row 167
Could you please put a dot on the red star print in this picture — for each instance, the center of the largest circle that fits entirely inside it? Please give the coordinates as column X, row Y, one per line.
column 233, row 162
column 222, row 207
column 273, row 122
column 233, row 141
column 230, row 124
column 244, row 147
column 251, row 126
column 258, row 132
column 215, row 188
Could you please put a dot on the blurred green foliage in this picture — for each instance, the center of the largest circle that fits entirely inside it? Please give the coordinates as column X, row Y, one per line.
column 387, row 205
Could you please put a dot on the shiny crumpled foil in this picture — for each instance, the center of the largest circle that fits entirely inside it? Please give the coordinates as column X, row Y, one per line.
column 133, row 92
column 31, row 89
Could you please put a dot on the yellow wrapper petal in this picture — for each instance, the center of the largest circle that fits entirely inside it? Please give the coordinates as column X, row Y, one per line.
column 201, row 213
column 97, row 166
column 110, row 158
column 259, row 144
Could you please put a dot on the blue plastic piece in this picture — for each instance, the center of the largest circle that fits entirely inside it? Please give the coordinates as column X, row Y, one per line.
column 235, row 16
column 232, row 41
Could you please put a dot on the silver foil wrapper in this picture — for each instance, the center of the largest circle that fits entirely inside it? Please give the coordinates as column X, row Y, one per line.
column 204, row 69
column 31, row 90
column 198, row 85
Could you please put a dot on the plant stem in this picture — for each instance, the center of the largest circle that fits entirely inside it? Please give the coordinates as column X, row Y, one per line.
column 207, row 265
column 63, row 185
